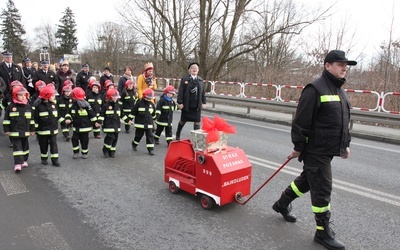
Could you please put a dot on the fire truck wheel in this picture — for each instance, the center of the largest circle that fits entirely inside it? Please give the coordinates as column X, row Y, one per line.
column 206, row 201
column 173, row 188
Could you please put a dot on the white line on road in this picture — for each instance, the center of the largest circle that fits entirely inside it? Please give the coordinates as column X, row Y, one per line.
column 11, row 183
column 46, row 236
column 343, row 185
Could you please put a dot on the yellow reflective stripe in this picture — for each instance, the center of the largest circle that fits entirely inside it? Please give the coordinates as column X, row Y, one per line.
column 139, row 125
column 141, row 109
column 82, row 112
column 127, row 110
column 54, row 155
column 43, row 113
column 320, row 210
column 47, row 132
column 85, row 151
column 28, row 115
column 99, row 101
column 330, row 98
column 165, row 107
column 17, row 153
column 158, row 111
column 295, row 189
column 44, row 155
column 32, row 122
column 320, row 228
column 111, row 130
column 149, row 145
column 107, row 146
column 100, row 118
column 12, row 114
column 109, row 112
column 75, row 148
column 7, row 122
column 165, row 124
column 62, row 105
column 93, row 119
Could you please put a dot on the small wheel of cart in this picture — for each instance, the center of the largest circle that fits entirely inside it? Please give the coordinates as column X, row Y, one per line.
column 206, row 201
column 173, row 188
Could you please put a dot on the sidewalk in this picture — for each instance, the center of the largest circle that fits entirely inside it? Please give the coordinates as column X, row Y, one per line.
column 376, row 133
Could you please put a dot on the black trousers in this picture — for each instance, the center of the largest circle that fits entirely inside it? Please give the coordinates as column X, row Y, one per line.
column 168, row 132
column 65, row 129
column 44, row 142
column 83, row 138
column 139, row 132
column 110, row 143
column 316, row 177
column 20, row 149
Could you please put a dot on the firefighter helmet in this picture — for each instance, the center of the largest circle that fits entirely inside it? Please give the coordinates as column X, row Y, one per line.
column 95, row 83
column 112, row 93
column 66, row 88
column 47, row 92
column 78, row 94
column 107, row 84
column 169, row 89
column 14, row 84
column 148, row 94
column 20, row 90
column 39, row 85
column 129, row 82
column 69, row 83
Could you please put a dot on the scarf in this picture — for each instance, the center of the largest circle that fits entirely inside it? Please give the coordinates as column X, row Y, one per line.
column 167, row 98
column 20, row 102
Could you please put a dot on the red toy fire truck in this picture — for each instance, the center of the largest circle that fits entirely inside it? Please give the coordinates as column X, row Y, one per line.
column 218, row 177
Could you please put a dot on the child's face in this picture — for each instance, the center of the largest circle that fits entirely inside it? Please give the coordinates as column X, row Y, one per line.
column 95, row 89
column 21, row 97
column 170, row 95
column 52, row 98
column 114, row 98
column 67, row 93
column 130, row 86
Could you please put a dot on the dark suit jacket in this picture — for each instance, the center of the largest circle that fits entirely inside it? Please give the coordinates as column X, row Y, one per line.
column 15, row 74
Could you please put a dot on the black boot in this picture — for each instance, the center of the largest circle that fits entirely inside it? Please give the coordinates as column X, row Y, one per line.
column 324, row 234
column 196, row 126
column 44, row 162
column 55, row 163
column 134, row 146
column 157, row 141
column 284, row 207
column 178, row 131
column 151, row 151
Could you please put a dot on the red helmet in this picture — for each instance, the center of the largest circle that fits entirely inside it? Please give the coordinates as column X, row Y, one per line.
column 129, row 82
column 91, row 81
column 78, row 94
column 111, row 93
column 169, row 89
column 20, row 90
column 95, row 83
column 66, row 88
column 47, row 92
column 107, row 84
column 148, row 94
column 68, row 83
column 39, row 85
column 14, row 84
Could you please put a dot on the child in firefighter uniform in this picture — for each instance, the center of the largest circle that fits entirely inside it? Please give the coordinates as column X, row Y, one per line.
column 128, row 100
column 95, row 99
column 18, row 124
column 164, row 114
column 144, row 112
column 83, row 119
column 46, row 122
column 110, row 119
column 64, row 103
column 38, row 86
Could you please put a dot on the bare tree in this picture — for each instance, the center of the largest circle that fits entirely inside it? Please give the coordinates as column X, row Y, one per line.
column 45, row 37
column 215, row 32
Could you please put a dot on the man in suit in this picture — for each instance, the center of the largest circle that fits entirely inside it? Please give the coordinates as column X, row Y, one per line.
column 10, row 71
column 28, row 73
column 46, row 75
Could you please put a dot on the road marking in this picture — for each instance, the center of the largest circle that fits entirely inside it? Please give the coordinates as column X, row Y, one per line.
column 343, row 185
column 46, row 236
column 11, row 183
column 378, row 148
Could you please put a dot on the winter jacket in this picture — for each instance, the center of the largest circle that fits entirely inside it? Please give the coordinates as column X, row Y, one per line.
column 18, row 120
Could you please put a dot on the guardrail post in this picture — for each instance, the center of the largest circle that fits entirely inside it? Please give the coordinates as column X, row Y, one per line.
column 242, row 89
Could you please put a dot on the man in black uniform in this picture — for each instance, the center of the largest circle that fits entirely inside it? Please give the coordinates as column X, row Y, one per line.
column 10, row 71
column 28, row 73
column 320, row 131
column 82, row 78
column 46, row 75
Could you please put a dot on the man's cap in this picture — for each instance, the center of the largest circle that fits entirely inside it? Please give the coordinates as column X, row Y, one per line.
column 44, row 62
column 338, row 56
column 193, row 63
column 7, row 53
column 26, row 59
column 85, row 65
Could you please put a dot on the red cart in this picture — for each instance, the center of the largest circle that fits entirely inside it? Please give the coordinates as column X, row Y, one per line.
column 217, row 177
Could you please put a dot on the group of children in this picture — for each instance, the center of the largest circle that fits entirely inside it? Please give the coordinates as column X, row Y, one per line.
column 83, row 112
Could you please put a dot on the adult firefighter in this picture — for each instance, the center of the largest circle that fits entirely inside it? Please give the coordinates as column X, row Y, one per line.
column 320, row 131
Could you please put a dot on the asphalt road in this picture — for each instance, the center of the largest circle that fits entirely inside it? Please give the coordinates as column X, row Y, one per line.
column 123, row 203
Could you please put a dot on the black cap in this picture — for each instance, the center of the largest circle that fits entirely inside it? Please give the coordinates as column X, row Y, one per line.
column 107, row 68
column 7, row 53
column 338, row 56
column 26, row 59
column 85, row 65
column 44, row 62
column 193, row 63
